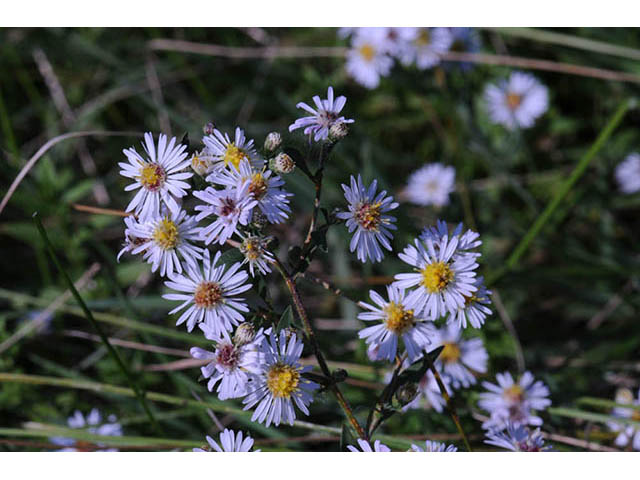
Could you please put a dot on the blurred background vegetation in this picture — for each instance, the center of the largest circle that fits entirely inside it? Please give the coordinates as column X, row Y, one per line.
column 573, row 300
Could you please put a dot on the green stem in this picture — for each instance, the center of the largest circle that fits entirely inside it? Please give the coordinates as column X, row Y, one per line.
column 592, row 417
column 138, row 393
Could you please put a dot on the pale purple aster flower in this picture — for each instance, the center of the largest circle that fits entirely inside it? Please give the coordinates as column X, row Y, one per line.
column 476, row 307
column 230, row 441
column 460, row 358
column 431, row 185
column 158, row 177
column 628, row 174
column 516, row 102
column 367, row 217
column 464, row 40
column 627, row 434
column 256, row 254
column 426, row 47
column 366, row 447
column 518, row 438
column 225, row 152
column 323, row 117
column 211, row 295
column 432, row 446
column 92, row 423
column 368, row 58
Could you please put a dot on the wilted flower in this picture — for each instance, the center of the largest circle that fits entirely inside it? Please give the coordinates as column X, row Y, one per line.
column 282, row 163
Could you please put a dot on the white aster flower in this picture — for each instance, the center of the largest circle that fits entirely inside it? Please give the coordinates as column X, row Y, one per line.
column 211, row 296
column 431, row 185
column 366, row 447
column 323, row 117
column 367, row 216
column 163, row 237
column 159, row 177
column 444, row 275
column 628, row 174
column 230, row 441
column 226, row 152
column 459, row 359
column 281, row 382
column 475, row 308
column 513, row 402
column 398, row 38
column 254, row 249
column 432, row 446
column 266, row 190
column 516, row 102
column 397, row 321
column 233, row 364
column 628, row 434
column 518, row 438
column 231, row 206
column 426, row 46
column 92, row 423
column 368, row 60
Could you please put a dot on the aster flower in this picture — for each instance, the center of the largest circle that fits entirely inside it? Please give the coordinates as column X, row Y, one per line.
column 231, row 206
column 628, row 174
column 158, row 178
column 226, row 152
column 281, row 382
column 431, row 185
column 367, row 60
column 444, row 276
column 431, row 446
column 230, row 441
column 162, row 238
column 397, row 321
column 265, row 189
column 518, row 438
column 366, row 216
column 366, row 447
column 475, row 308
column 628, row 434
column 460, row 358
column 514, row 402
column 323, row 117
column 397, row 39
column 233, row 364
column 466, row 241
column 463, row 39
column 130, row 240
column 516, row 102
column 204, row 162
column 92, row 423
column 254, row 249
column 210, row 295
column 426, row 46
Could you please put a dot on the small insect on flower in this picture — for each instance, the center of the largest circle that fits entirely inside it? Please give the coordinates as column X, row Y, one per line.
column 162, row 238
column 233, row 364
column 516, row 102
column 459, row 359
column 513, row 402
column 431, row 446
column 227, row 153
column 368, row 58
column 426, row 47
column 211, row 295
column 263, row 188
column 397, row 321
column 367, row 217
column 628, row 174
column 518, row 438
column 231, row 207
column 431, row 185
column 628, row 434
column 159, row 177
column 281, row 382
column 230, row 441
column 365, row 446
column 323, row 117
column 254, row 249
column 92, row 423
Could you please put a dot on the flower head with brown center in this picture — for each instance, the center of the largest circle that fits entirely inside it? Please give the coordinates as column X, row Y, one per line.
column 513, row 100
column 368, row 216
column 208, row 295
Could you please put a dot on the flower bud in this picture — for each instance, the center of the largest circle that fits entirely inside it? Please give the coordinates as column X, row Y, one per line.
column 209, row 128
column 407, row 393
column 272, row 142
column 338, row 131
column 245, row 333
column 282, row 163
column 201, row 163
column 258, row 220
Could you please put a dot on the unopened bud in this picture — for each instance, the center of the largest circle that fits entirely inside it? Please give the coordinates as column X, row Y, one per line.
column 338, row 131
column 245, row 333
column 282, row 163
column 407, row 393
column 272, row 142
column 258, row 220
column 209, row 128
column 201, row 163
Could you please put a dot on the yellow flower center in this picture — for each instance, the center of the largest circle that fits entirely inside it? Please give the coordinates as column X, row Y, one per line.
column 368, row 216
column 514, row 393
column 636, row 415
column 367, row 52
column 165, row 235
column 152, row 176
column 398, row 320
column 436, row 276
column 207, row 295
column 234, row 155
column 513, row 100
column 252, row 248
column 258, row 186
column 450, row 353
column 282, row 380
column 423, row 38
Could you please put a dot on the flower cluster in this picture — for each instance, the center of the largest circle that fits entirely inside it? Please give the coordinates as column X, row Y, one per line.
column 93, row 423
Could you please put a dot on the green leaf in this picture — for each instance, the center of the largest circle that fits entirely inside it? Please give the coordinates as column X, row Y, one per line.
column 231, row 256
column 286, row 319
